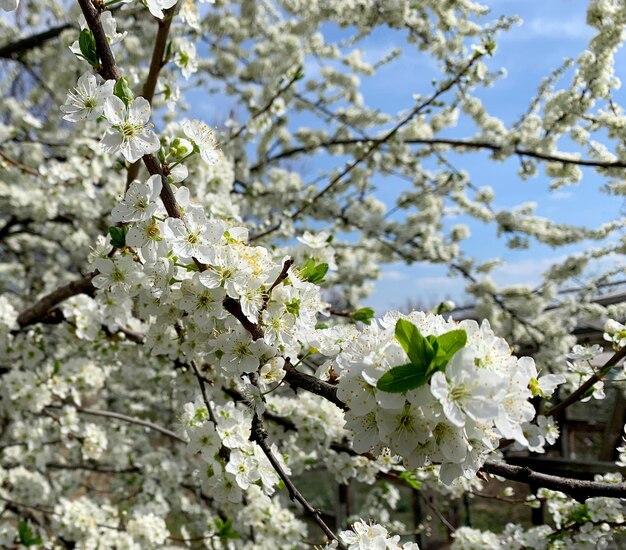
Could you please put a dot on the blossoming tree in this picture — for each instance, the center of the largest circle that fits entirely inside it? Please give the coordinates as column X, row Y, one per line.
column 170, row 362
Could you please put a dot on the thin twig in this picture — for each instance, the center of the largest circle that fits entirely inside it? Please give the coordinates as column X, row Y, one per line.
column 22, row 167
column 259, row 436
column 130, row 420
column 597, row 377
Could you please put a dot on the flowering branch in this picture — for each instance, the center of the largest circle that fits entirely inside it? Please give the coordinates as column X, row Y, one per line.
column 588, row 384
column 455, row 143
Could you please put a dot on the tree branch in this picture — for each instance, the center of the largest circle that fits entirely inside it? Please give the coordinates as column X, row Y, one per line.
column 156, row 64
column 259, row 436
column 42, row 308
column 129, row 419
column 577, row 488
column 456, row 143
column 297, row 379
column 14, row 49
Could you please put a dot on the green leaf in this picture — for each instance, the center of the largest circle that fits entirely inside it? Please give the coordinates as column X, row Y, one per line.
column 321, row 326
column 225, row 529
column 118, row 236
column 123, row 91
column 313, row 273
column 26, row 535
column 418, row 348
column 411, row 480
column 169, row 52
column 451, row 342
column 365, row 315
column 87, row 45
column 403, row 378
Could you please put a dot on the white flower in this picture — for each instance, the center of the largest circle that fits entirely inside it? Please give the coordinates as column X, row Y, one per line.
column 190, row 14
column 148, row 529
column 130, row 132
column 244, row 467
column 140, row 201
column 186, row 58
column 156, row 7
column 204, row 138
column 465, row 389
column 616, row 333
column 314, row 240
column 86, row 102
column 584, row 353
column 204, row 304
column 121, row 273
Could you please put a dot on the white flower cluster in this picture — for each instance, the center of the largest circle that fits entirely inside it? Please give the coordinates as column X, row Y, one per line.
column 615, row 333
column 363, row 535
column 225, row 475
column 589, row 524
column 128, row 128
column 454, row 418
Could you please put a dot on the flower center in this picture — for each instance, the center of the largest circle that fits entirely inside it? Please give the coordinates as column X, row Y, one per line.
column 129, row 130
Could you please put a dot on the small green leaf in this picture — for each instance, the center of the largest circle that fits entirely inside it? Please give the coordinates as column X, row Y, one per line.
column 118, row 236
column 411, row 480
column 452, row 341
column 418, row 348
column 321, row 326
column 87, row 45
column 225, row 529
column 365, row 315
column 169, row 50
column 313, row 273
column 26, row 535
column 449, row 343
column 123, row 91
column 403, row 378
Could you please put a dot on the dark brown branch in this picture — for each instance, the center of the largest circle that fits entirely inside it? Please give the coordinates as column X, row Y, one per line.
column 108, row 69
column 14, row 49
column 42, row 308
column 19, row 165
column 281, row 277
column 297, row 379
column 456, row 143
column 259, row 436
column 577, row 488
column 234, row 308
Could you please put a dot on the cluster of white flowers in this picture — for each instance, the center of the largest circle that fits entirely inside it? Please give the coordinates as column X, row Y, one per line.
column 588, row 524
column 226, row 475
column 363, row 535
column 615, row 333
column 457, row 415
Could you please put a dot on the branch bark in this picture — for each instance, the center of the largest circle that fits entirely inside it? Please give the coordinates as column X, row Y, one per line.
column 13, row 50
column 577, row 488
